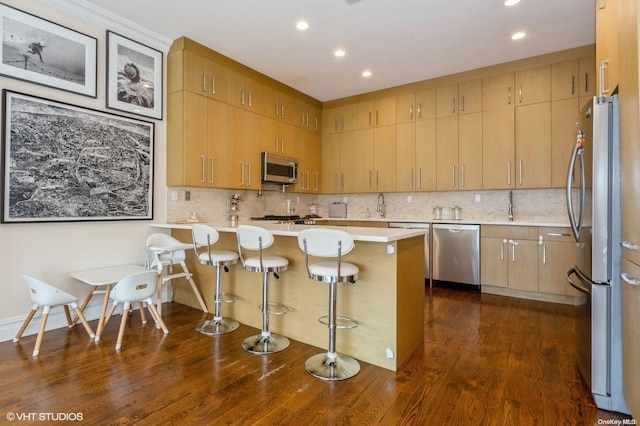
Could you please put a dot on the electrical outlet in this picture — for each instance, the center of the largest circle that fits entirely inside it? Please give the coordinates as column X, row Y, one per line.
column 478, row 198
column 187, row 195
column 409, row 199
column 174, row 195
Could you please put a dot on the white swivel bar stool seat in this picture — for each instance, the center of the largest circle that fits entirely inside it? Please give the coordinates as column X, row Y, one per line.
column 258, row 239
column 46, row 296
column 332, row 243
column 164, row 251
column 204, row 237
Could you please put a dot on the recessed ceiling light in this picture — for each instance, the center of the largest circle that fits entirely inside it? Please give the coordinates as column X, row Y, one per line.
column 511, row 2
column 302, row 25
column 518, row 36
column 366, row 73
column 339, row 53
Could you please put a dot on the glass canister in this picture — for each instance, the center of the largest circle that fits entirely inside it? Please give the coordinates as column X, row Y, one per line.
column 456, row 213
column 437, row 213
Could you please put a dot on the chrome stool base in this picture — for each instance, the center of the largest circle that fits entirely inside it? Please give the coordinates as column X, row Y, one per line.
column 214, row 327
column 261, row 345
column 339, row 368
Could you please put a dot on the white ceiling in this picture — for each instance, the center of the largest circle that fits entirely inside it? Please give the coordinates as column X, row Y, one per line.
column 400, row 41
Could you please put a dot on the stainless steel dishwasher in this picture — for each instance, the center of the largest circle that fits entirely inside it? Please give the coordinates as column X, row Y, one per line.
column 456, row 255
column 427, row 245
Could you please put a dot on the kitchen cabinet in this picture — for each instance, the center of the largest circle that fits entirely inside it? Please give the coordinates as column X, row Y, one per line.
column 279, row 105
column 459, row 98
column 608, row 38
column 246, row 93
column 574, row 78
column 564, row 131
column 416, row 159
column 533, row 146
column 416, row 106
column 497, row 91
column 197, row 74
column 337, row 161
column 307, row 116
column 533, row 85
column 244, row 139
column 379, row 112
column 447, row 100
column 556, row 255
column 447, row 153
column 375, row 168
column 338, row 119
column 459, row 152
column 509, row 257
column 498, row 148
column 278, row 137
column 197, row 132
column 309, row 154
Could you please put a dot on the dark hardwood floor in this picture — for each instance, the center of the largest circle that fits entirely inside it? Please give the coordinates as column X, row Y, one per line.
column 486, row 360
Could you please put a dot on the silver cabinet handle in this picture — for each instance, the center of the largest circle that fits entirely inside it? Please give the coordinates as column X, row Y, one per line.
column 419, row 110
column 420, row 178
column 509, row 95
column 453, row 104
column 204, row 82
column 603, row 70
column 242, row 173
column 513, row 249
column 211, row 170
column 276, row 111
column 377, row 180
column 203, row 168
column 249, row 173
column 520, row 172
column 282, row 111
column 250, row 100
column 411, row 178
column 629, row 245
column 462, row 176
column 573, row 84
column 453, row 176
column 586, row 82
column 502, row 249
column 316, row 175
column 520, row 93
column 462, row 103
column 213, row 84
column 411, row 112
column 557, row 234
column 241, row 96
column 342, row 180
column 316, row 128
column 508, row 173
column 370, row 119
column 377, row 118
column 629, row 279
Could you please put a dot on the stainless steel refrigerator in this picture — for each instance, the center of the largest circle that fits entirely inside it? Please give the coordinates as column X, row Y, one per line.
column 593, row 204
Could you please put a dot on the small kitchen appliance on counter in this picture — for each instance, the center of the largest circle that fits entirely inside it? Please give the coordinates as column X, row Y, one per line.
column 338, row 210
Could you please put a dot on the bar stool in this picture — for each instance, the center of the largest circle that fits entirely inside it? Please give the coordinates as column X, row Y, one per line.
column 206, row 236
column 330, row 243
column 258, row 239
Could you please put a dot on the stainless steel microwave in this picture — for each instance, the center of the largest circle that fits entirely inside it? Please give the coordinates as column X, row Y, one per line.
column 278, row 168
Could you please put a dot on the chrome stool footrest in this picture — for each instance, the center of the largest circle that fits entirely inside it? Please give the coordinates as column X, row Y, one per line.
column 276, row 308
column 229, row 297
column 341, row 322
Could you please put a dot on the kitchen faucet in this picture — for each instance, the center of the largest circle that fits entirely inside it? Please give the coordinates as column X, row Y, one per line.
column 510, row 206
column 381, row 206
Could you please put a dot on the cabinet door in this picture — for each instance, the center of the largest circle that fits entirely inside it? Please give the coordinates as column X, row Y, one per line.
column 195, row 138
column 236, row 161
column 555, row 259
column 195, row 72
column 498, row 148
column 385, row 111
column 533, row 85
column 497, row 91
column 347, row 161
column 447, row 100
column 252, row 143
column 564, row 128
column 406, row 109
column 470, row 96
column 363, row 180
column 406, row 176
column 494, row 262
column 217, row 143
column 425, row 108
column 385, row 158
column 363, row 115
column 331, row 163
column 470, row 151
column 607, row 50
column 447, row 153
column 564, row 80
column 425, row 155
column 533, row 146
column 587, row 76
column 523, row 265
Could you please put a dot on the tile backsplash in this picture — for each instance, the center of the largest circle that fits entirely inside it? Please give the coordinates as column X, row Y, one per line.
column 530, row 205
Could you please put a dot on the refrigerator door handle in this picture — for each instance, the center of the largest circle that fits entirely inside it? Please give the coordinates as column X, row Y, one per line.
column 576, row 227
column 574, row 285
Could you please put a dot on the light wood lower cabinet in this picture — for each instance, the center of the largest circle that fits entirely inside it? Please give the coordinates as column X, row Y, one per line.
column 527, row 261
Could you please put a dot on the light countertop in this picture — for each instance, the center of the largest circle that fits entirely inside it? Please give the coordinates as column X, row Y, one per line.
column 379, row 235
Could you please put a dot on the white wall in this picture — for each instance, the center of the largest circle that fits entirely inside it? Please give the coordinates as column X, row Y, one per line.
column 50, row 251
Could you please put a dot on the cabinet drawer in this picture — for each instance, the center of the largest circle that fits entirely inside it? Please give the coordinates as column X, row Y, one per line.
column 555, row 234
column 508, row 231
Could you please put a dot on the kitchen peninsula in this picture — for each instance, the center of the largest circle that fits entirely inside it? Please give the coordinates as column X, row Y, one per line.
column 387, row 300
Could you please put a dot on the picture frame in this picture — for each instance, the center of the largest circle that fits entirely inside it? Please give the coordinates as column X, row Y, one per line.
column 62, row 162
column 45, row 53
column 134, row 77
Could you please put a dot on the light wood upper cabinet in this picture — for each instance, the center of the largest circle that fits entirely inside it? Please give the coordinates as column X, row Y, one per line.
column 385, row 158
column 470, row 96
column 247, row 93
column 309, row 154
column 470, row 151
column 338, row 119
column 244, row 138
column 574, row 78
column 447, row 153
column 587, row 76
column 338, row 150
column 379, row 112
column 564, row 130
column 307, row 116
column 364, row 168
column 279, row 105
column 497, row 91
column 416, row 106
column 415, row 153
column 533, row 146
column 533, row 86
column 607, row 46
column 447, row 100
column 195, row 73
column 498, row 148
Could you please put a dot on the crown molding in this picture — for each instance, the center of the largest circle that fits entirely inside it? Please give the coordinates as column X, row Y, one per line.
column 102, row 18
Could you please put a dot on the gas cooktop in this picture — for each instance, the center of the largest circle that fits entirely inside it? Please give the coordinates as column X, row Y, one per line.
column 277, row 217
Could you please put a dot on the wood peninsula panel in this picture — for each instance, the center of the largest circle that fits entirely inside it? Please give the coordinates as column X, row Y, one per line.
column 387, row 300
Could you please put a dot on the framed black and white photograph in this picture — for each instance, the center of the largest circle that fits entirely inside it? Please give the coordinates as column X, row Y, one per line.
column 42, row 52
column 62, row 162
column 134, row 77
